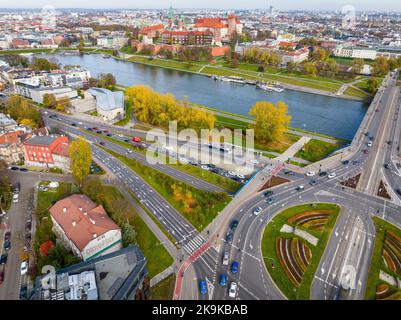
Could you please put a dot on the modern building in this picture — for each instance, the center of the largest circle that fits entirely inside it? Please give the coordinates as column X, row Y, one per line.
column 33, row 89
column 84, row 227
column 50, row 151
column 120, row 275
column 356, row 53
column 112, row 42
column 109, row 104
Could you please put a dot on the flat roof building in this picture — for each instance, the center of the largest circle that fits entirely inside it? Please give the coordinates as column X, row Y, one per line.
column 109, row 104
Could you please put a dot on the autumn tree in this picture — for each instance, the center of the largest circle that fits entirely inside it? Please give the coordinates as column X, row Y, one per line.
column 19, row 109
column 357, row 65
column 80, row 159
column 271, row 121
column 372, row 85
column 310, row 68
column 380, row 66
column 43, row 64
column 49, row 100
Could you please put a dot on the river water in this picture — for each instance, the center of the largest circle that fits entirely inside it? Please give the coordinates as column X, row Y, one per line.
column 332, row 116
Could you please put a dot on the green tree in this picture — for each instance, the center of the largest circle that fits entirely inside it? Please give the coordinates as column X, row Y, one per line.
column 80, row 159
column 107, row 80
column 128, row 234
column 380, row 66
column 372, row 85
column 357, row 65
column 271, row 121
column 43, row 64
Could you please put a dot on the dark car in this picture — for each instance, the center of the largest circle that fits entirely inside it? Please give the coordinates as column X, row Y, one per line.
column 323, row 173
column 355, row 162
column 109, row 134
column 270, row 200
column 99, row 132
column 101, row 143
column 28, row 225
column 23, row 169
column 387, row 166
column 3, row 258
column 398, row 191
column 7, row 245
column 14, row 168
column 126, row 140
column 1, row 276
column 229, row 237
column 268, row 193
column 366, row 151
column 289, row 173
column 313, row 182
column 202, row 287
column 234, row 225
column 74, row 124
column 23, row 293
column 7, row 236
column 223, row 280
column 90, row 129
column 345, row 162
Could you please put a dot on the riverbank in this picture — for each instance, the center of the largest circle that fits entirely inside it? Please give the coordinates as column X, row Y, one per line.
column 302, row 83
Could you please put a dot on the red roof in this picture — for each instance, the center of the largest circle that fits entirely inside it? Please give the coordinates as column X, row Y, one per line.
column 185, row 33
column 10, row 137
column 62, row 149
column 151, row 28
column 209, row 23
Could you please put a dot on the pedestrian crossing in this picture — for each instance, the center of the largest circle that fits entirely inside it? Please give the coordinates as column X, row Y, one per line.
column 194, row 244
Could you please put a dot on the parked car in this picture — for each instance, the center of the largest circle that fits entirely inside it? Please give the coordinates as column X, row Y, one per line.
column 229, row 237
column 101, row 143
column 233, row 290
column 398, row 191
column 23, row 169
column 234, row 267
column 24, row 267
column 7, row 245
column 226, row 258
column 23, row 293
column 15, row 198
column 289, row 173
column 387, row 166
column 223, row 280
column 1, row 276
column 7, row 236
column 369, row 144
column 257, row 211
column 366, row 151
column 202, row 287
column 234, row 225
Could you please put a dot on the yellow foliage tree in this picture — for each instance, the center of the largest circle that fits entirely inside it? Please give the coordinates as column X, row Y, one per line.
column 80, row 159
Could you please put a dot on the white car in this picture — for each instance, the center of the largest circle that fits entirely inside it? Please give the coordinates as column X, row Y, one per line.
column 204, row 167
column 233, row 290
column 331, row 175
column 240, row 176
column 24, row 268
column 254, row 161
column 257, row 211
column 232, row 173
column 369, row 143
column 310, row 173
column 15, row 198
column 226, row 258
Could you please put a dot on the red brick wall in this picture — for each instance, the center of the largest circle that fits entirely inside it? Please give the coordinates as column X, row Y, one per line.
column 219, row 51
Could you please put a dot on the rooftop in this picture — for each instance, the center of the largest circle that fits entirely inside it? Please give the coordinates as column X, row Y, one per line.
column 107, row 100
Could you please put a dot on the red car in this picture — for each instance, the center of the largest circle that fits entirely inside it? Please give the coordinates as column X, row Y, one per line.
column 95, row 128
column 1, row 276
column 136, row 139
column 106, row 131
column 366, row 151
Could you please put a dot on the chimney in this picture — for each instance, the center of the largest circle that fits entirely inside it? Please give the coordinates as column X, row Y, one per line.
column 74, row 223
column 64, row 210
column 80, row 208
column 94, row 235
column 85, row 213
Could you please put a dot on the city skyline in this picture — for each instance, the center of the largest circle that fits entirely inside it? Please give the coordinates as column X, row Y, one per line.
column 360, row 5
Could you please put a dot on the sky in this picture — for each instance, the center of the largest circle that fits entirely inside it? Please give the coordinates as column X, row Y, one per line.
column 360, row 5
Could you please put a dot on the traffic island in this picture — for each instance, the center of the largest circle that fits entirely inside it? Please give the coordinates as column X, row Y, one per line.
column 351, row 182
column 293, row 243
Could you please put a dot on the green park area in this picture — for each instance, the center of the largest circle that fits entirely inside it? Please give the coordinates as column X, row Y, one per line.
column 316, row 150
column 386, row 258
column 290, row 256
column 164, row 290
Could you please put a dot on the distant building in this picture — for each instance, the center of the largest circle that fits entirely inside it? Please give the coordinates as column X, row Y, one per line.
column 222, row 28
column 84, row 227
column 356, row 53
column 120, row 275
column 7, row 123
column 50, row 151
column 109, row 104
column 152, row 32
column 11, row 148
column 187, row 37
column 112, row 42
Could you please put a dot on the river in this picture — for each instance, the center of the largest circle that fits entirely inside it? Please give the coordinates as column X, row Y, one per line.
column 332, row 116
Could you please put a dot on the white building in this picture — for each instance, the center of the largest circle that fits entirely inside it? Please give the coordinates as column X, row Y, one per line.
column 109, row 104
column 356, row 53
column 32, row 89
column 84, row 227
column 112, row 42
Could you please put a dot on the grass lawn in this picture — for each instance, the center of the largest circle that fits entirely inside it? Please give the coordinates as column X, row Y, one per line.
column 316, row 150
column 377, row 261
column 272, row 231
column 197, row 206
column 164, row 290
column 357, row 93
column 167, row 63
column 279, row 146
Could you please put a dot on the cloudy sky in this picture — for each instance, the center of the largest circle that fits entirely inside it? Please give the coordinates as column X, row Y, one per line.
column 362, row 5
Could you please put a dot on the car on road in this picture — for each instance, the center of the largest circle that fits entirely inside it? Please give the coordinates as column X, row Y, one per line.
column 387, row 165
column 109, row 134
column 269, row 200
column 289, row 173
column 105, row 131
column 234, row 225
column 226, row 258
column 331, row 175
column 74, row 124
column 101, row 143
column 1, row 276
column 310, row 173
column 3, row 258
column 369, row 144
column 345, row 162
column 233, row 290
column 23, row 169
column 223, row 280
column 23, row 293
column 323, row 173
column 268, row 193
column 129, row 150
column 43, row 188
column 95, row 128
column 7, row 245
column 398, row 191
column 15, row 198
column 300, row 188
column 136, row 139
column 202, row 287
column 7, row 236
column 234, row 267
column 355, row 162
column 313, row 182
column 257, row 211
column 14, row 168
column 229, row 237
column 365, row 151
column 24, row 267
column 99, row 131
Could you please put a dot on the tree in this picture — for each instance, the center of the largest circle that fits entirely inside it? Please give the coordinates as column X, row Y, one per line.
column 19, row 108
column 128, row 234
column 372, row 85
column 80, row 159
column 357, row 65
column 271, row 121
column 43, row 64
column 310, row 68
column 63, row 103
column 106, row 80
column 49, row 100
column 380, row 66
column 319, row 55
column 16, row 60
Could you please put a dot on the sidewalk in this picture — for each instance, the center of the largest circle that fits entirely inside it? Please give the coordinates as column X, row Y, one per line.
column 293, row 149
